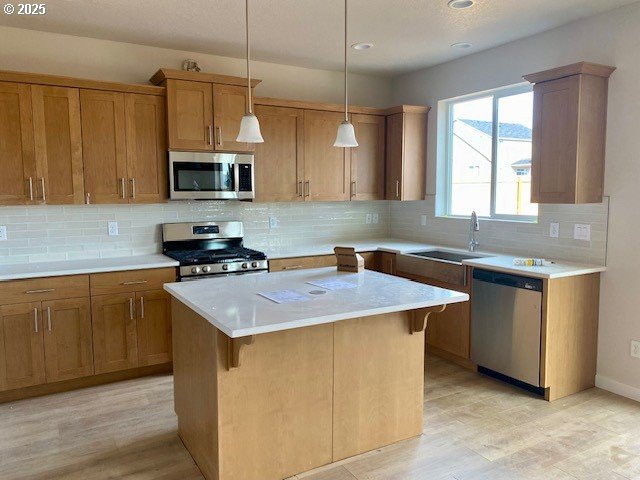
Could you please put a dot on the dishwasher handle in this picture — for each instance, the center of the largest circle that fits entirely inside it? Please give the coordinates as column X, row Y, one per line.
column 508, row 280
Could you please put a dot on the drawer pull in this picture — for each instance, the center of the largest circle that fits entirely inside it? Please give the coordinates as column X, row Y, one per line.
column 49, row 318
column 293, row 267
column 131, row 309
column 35, row 319
column 141, row 307
column 42, row 290
column 134, row 282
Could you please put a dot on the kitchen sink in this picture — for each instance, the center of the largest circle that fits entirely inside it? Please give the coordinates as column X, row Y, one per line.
column 448, row 256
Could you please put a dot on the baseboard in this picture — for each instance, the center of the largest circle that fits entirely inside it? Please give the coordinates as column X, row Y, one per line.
column 618, row 388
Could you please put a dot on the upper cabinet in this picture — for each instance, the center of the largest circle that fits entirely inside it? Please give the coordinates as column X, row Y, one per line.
column 569, row 130
column 406, row 153
column 367, row 159
column 58, row 144
column 204, row 110
column 18, row 179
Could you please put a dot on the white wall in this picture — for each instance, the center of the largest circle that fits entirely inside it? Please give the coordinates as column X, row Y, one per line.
column 42, row 52
column 612, row 38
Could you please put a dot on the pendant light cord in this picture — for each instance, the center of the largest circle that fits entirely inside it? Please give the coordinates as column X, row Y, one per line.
column 249, row 101
column 346, row 115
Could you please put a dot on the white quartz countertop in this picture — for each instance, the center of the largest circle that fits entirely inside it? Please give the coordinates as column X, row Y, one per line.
column 78, row 267
column 234, row 306
column 503, row 263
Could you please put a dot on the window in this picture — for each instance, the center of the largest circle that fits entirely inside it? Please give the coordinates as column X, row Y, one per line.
column 488, row 161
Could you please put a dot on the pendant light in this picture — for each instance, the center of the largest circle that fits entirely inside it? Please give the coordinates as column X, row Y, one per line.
column 249, row 126
column 346, row 136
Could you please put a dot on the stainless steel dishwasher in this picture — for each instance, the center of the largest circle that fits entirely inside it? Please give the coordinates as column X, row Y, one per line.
column 506, row 322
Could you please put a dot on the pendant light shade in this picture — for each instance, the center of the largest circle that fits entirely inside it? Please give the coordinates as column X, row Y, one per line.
column 250, row 130
column 346, row 136
column 249, row 126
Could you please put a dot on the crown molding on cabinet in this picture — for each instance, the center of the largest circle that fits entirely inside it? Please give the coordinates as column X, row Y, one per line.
column 167, row 73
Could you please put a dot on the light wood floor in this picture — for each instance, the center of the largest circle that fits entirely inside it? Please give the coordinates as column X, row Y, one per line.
column 475, row 428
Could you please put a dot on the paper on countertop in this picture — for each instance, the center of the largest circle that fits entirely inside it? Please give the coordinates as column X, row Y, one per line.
column 284, row 296
column 333, row 284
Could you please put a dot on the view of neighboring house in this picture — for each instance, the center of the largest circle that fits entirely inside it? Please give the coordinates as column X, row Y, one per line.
column 471, row 167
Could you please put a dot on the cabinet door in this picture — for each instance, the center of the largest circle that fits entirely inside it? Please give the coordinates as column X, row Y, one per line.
column 395, row 136
column 17, row 163
column 386, row 262
column 279, row 161
column 229, row 106
column 21, row 346
column 68, row 350
column 327, row 168
column 555, row 141
column 154, row 327
column 58, row 144
column 104, row 146
column 367, row 159
column 190, row 115
column 146, row 148
column 449, row 330
column 114, row 332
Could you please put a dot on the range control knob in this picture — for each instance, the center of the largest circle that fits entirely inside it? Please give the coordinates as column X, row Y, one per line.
column 254, row 264
column 195, row 269
column 225, row 267
column 244, row 265
column 206, row 269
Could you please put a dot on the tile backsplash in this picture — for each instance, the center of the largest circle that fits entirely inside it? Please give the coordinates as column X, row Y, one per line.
column 49, row 233
column 518, row 238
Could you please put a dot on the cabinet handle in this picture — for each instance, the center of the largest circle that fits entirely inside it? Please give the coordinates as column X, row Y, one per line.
column 122, row 193
column 219, row 136
column 134, row 282
column 210, row 128
column 35, row 319
column 49, row 318
column 307, row 188
column 397, row 188
column 131, row 309
column 292, row 267
column 44, row 190
column 133, row 188
column 354, row 189
column 87, row 199
column 42, row 290
column 141, row 307
column 31, row 188
column 299, row 189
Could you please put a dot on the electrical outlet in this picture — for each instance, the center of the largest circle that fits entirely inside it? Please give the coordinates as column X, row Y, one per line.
column 423, row 220
column 375, row 218
column 3, row 232
column 273, row 221
column 582, row 232
column 635, row 348
column 368, row 219
column 554, row 229
column 112, row 228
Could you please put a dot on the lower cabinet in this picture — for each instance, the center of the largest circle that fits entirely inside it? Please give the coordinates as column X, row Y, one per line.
column 154, row 327
column 386, row 262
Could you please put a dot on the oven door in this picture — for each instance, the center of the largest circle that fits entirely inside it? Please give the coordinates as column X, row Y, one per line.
column 210, row 176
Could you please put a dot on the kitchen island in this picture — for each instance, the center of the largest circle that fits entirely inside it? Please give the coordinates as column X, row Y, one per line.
column 266, row 390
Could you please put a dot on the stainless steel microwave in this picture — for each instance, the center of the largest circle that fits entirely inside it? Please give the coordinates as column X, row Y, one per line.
column 210, row 176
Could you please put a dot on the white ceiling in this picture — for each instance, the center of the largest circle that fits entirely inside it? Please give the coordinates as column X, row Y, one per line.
column 408, row 34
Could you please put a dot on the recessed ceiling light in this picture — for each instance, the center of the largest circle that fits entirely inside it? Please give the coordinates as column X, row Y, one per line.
column 460, row 4
column 361, row 46
column 462, row 45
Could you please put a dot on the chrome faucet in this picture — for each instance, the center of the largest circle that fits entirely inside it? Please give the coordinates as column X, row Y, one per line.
column 473, row 228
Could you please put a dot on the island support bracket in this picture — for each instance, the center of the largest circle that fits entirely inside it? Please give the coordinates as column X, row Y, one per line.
column 235, row 350
column 419, row 318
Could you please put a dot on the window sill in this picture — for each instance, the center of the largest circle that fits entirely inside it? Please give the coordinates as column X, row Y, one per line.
column 526, row 220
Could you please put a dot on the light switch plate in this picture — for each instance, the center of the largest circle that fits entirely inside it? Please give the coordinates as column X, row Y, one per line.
column 368, row 218
column 423, row 220
column 554, row 229
column 375, row 218
column 582, row 232
column 635, row 349
column 273, row 221
column 3, row 232
column 112, row 228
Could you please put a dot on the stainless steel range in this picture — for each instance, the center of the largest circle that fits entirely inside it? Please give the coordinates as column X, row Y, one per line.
column 210, row 248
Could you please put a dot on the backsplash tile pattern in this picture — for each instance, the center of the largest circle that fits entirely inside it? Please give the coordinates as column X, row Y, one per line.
column 49, row 233
column 518, row 238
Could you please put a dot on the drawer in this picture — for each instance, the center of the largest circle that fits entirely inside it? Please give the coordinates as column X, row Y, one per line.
column 131, row 280
column 300, row 263
column 39, row 289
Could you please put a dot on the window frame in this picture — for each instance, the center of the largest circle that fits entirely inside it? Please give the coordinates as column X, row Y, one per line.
column 497, row 94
